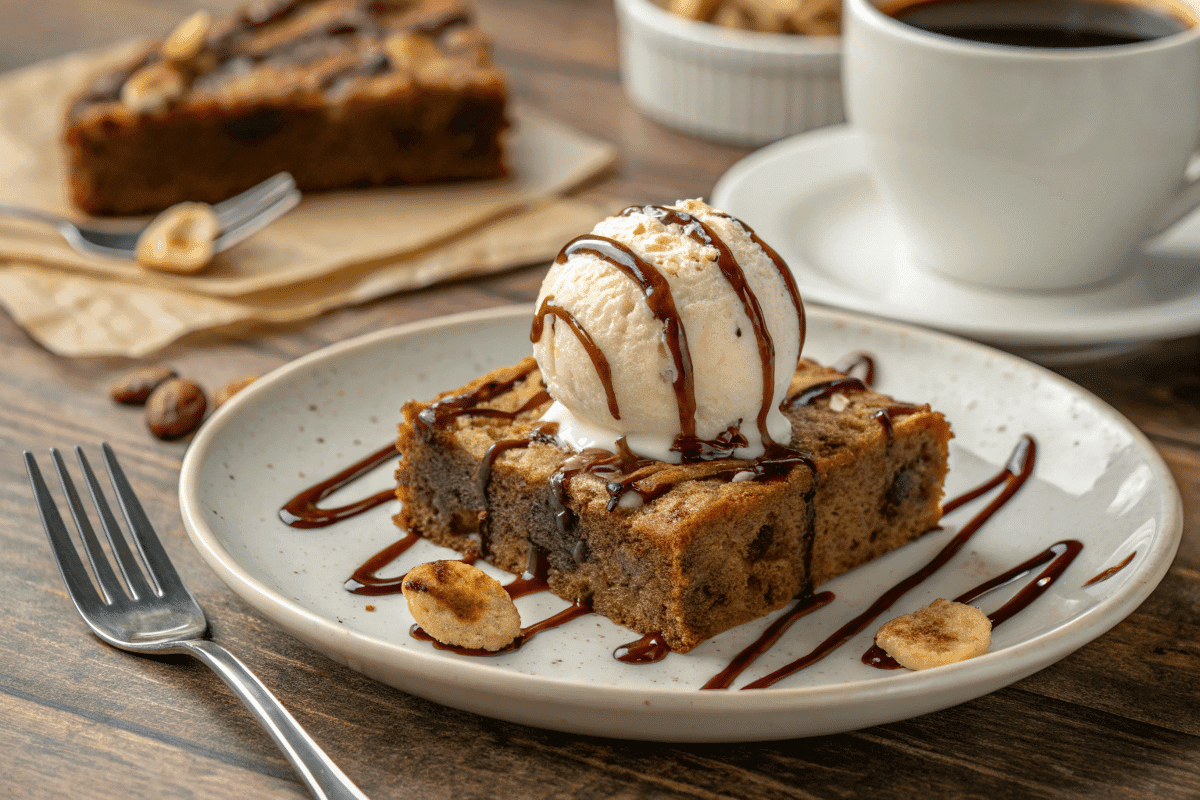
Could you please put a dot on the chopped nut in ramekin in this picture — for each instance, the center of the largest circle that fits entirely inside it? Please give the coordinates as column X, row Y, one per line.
column 179, row 239
column 459, row 604
column 942, row 632
column 806, row 17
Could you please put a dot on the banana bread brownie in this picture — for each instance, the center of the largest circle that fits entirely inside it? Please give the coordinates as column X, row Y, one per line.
column 686, row 550
column 339, row 93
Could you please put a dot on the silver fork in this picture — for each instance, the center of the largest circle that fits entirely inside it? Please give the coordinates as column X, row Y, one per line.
column 154, row 612
column 239, row 218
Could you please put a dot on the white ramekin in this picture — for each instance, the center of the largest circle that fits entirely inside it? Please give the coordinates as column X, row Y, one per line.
column 742, row 87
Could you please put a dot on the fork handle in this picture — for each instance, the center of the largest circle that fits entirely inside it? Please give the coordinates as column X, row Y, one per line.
column 319, row 773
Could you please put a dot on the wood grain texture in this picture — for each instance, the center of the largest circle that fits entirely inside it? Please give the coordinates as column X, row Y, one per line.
column 1120, row 718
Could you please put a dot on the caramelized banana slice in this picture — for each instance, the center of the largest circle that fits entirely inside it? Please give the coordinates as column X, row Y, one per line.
column 942, row 632
column 179, row 239
column 459, row 604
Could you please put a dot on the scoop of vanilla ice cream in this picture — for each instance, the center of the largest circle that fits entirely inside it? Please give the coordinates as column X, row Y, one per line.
column 612, row 309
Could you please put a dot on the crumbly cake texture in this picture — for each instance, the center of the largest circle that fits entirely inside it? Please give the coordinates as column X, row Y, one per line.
column 340, row 93
column 710, row 553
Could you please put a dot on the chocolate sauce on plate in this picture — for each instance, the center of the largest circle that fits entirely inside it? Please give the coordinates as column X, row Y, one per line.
column 302, row 511
column 646, row 650
column 1014, row 475
column 1060, row 555
column 1108, row 573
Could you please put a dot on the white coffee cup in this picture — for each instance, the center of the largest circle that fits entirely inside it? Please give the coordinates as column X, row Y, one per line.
column 1021, row 167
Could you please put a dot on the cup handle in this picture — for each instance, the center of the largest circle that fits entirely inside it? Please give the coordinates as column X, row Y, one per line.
column 1186, row 199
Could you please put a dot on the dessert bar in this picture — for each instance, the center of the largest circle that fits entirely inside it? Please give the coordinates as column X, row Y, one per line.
column 340, row 93
column 688, row 550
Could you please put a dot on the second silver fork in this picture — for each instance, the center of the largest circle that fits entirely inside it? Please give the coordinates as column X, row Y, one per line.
column 152, row 611
column 239, row 217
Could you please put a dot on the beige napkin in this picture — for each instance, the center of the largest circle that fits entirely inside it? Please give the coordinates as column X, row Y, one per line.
column 334, row 249
column 75, row 314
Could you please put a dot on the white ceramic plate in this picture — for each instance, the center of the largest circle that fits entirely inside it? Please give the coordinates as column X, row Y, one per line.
column 1097, row 480
column 811, row 197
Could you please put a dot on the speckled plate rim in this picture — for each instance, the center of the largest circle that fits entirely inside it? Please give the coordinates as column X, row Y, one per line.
column 675, row 714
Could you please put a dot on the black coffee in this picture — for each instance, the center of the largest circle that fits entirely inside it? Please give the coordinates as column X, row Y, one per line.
column 1041, row 23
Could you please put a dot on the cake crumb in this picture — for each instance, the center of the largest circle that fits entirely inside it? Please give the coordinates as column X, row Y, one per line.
column 369, row 607
column 459, row 604
column 943, row 632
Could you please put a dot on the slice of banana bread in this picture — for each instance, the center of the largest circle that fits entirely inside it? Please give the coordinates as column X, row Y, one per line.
column 339, row 93
column 685, row 550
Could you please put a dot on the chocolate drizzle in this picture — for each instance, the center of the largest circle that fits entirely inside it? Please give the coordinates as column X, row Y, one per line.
column 658, row 296
column 804, row 605
column 575, row 610
column 1014, row 475
column 1060, row 555
column 646, row 650
column 366, row 580
column 448, row 409
column 1108, row 573
column 785, row 274
column 599, row 360
column 302, row 511
column 736, row 278
column 541, row 433
column 819, row 391
column 657, row 293
column 857, row 361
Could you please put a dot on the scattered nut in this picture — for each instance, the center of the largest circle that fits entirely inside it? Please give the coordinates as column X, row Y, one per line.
column 175, row 408
column 816, row 18
column 728, row 16
column 468, row 40
column 134, row 387
column 807, row 17
column 942, row 632
column 459, row 604
column 409, row 52
column 188, row 39
column 838, row 402
column 180, row 239
column 694, row 9
column 228, row 390
column 769, row 16
column 152, row 88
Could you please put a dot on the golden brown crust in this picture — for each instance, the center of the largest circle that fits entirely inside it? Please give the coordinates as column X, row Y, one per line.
column 709, row 553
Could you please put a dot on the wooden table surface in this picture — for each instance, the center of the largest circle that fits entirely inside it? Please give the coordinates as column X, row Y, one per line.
column 1118, row 718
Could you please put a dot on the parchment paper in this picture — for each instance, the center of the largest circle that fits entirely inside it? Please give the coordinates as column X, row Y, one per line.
column 76, row 314
column 328, row 231
column 335, row 249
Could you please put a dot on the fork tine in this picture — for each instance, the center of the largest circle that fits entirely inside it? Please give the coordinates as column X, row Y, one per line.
column 110, row 588
column 70, row 567
column 237, row 209
column 250, row 195
column 254, row 224
column 139, row 588
column 153, row 555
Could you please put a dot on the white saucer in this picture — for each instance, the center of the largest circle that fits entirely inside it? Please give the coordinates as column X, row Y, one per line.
column 811, row 198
